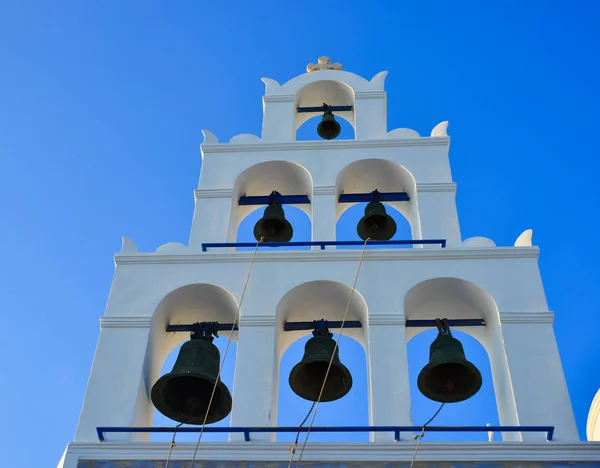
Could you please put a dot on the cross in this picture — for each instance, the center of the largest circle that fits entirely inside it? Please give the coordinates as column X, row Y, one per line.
column 323, row 63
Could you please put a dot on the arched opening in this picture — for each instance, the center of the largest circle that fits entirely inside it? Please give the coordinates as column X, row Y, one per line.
column 227, row 370
column 351, row 410
column 307, row 302
column 346, row 227
column 478, row 410
column 186, row 305
column 315, row 94
column 308, row 129
column 299, row 220
column 285, row 177
column 367, row 175
column 454, row 298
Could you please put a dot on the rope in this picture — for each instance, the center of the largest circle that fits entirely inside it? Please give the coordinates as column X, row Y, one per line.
column 362, row 255
column 420, row 436
column 237, row 314
column 172, row 444
column 295, row 444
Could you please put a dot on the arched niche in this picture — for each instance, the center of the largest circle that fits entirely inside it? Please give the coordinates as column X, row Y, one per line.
column 317, row 300
column 351, row 410
column 455, row 298
column 298, row 218
column 333, row 93
column 188, row 304
column 285, row 177
column 479, row 410
column 366, row 175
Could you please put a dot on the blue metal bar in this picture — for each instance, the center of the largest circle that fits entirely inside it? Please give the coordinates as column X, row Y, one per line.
column 296, row 326
column 190, row 328
column 451, row 322
column 367, row 197
column 322, row 244
column 282, row 199
column 321, row 109
column 549, row 430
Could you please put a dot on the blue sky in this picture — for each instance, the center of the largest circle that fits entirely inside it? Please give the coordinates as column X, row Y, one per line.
column 101, row 107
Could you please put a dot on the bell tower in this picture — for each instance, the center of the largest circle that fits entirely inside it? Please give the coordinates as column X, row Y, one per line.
column 269, row 297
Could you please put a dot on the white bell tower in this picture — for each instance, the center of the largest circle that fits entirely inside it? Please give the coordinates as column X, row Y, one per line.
column 498, row 287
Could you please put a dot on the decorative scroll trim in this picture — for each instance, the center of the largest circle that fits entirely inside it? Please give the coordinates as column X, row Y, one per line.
column 386, row 319
column 330, row 256
column 324, row 190
column 213, row 193
column 257, row 321
column 279, row 98
column 437, row 187
column 370, row 94
column 527, row 317
column 432, row 452
column 317, row 145
column 125, row 322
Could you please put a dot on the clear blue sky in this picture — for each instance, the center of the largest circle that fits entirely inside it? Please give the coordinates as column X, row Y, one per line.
column 101, row 107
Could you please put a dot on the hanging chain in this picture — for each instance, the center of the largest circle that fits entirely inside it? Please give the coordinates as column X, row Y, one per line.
column 335, row 348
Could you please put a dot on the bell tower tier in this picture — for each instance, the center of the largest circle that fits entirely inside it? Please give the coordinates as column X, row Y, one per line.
column 269, row 297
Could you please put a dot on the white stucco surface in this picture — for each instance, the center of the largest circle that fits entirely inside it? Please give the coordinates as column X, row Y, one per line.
column 472, row 279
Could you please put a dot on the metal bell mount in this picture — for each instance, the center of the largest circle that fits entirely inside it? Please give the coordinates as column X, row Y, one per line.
column 184, row 393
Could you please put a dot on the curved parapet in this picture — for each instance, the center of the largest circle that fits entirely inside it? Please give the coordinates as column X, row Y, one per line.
column 171, row 247
column 378, row 80
column 440, row 130
column 479, row 241
column 400, row 133
column 271, row 86
column 209, row 138
column 356, row 82
column 524, row 240
column 128, row 246
column 244, row 139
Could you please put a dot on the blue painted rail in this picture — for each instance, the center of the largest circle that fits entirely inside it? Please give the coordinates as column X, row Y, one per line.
column 323, row 244
column 396, row 430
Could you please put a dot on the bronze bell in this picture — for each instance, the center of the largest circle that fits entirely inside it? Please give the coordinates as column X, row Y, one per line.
column 184, row 393
column 448, row 377
column 273, row 227
column 306, row 378
column 328, row 128
column 376, row 224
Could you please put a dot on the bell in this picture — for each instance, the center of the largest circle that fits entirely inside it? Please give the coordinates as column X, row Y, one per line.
column 184, row 393
column 448, row 377
column 376, row 224
column 306, row 378
column 273, row 227
column 328, row 128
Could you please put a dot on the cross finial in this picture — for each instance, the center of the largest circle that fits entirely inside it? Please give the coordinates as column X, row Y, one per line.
column 324, row 63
